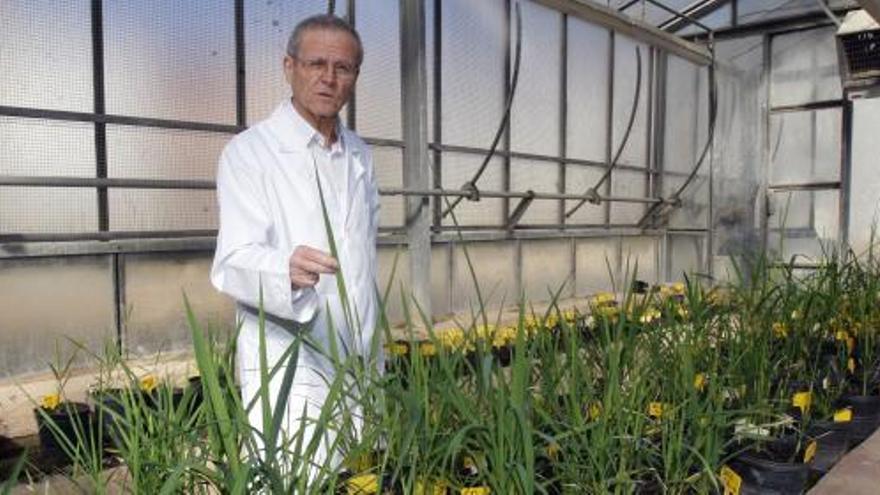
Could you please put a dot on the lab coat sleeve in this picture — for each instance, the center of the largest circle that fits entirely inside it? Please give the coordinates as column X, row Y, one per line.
column 245, row 261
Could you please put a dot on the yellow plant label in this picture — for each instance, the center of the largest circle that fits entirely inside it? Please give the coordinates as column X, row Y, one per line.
column 365, row 484
column 850, row 345
column 841, row 335
column 700, row 382
column 731, row 481
column 843, row 415
column 595, row 411
column 476, row 490
column 851, row 365
column 810, row 453
column 655, row 409
column 802, row 400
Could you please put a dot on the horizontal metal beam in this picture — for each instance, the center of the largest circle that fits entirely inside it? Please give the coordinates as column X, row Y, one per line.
column 634, row 28
column 16, row 250
column 695, row 11
column 807, row 107
column 38, row 113
column 805, row 186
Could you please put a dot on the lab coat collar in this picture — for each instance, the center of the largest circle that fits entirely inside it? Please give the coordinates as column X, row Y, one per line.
column 295, row 134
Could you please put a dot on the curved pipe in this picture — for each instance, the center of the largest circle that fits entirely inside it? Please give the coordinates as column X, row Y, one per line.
column 593, row 192
column 471, row 185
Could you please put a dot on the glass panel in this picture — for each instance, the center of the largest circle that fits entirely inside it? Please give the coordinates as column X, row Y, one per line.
column 808, row 219
column 546, row 267
column 494, row 265
column 46, row 54
column 625, row 68
column 150, row 153
column 170, row 59
column 378, row 94
column 156, row 209
column 49, row 210
column 472, row 68
column 388, row 166
column 805, row 68
column 627, row 184
column 64, row 301
column 534, row 126
column 587, row 128
column 46, row 147
column 865, row 180
column 805, row 146
column 686, row 256
column 687, row 115
column 538, row 176
column 751, row 11
column 639, row 259
column 578, row 179
column 267, row 27
column 716, row 20
column 459, row 168
column 694, row 211
column 597, row 265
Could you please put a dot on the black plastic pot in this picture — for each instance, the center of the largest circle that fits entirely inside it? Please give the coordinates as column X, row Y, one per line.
column 865, row 417
column 773, row 468
column 833, row 443
column 503, row 355
column 109, row 412
column 72, row 420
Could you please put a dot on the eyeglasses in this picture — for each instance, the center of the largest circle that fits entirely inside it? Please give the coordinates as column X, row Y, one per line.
column 316, row 66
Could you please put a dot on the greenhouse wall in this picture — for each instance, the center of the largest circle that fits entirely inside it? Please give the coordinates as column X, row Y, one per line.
column 180, row 83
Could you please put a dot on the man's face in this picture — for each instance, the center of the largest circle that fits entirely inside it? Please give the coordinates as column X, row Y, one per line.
column 323, row 74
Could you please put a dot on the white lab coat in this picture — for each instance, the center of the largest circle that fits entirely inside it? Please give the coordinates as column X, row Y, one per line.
column 269, row 205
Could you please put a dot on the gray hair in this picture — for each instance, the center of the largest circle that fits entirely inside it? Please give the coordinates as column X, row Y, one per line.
column 323, row 21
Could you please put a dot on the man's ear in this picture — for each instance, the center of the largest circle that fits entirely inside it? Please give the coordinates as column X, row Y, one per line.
column 289, row 65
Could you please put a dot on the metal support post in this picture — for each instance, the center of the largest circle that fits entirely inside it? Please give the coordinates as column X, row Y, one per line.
column 416, row 170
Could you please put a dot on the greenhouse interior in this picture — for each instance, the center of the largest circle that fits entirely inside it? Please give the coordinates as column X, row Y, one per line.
column 499, row 247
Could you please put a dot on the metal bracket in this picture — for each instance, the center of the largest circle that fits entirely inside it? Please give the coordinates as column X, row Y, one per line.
column 520, row 209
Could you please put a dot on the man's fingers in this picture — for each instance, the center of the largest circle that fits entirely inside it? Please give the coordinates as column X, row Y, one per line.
column 311, row 267
column 304, row 280
column 320, row 257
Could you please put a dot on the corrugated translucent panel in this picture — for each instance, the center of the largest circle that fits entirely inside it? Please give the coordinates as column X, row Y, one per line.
column 639, row 259
column 578, row 179
column 472, row 69
column 804, row 68
column 157, row 209
column 458, row 168
column 808, row 219
column 587, row 127
column 805, row 146
column 597, row 265
column 648, row 12
column 719, row 19
column 151, row 153
column 865, row 175
column 388, row 166
column 154, row 284
column 625, row 71
column 538, row 176
column 494, row 264
column 48, row 210
column 378, row 90
column 268, row 25
column 546, row 269
column 750, row 11
column 686, row 256
column 534, row 126
column 46, row 147
column 170, row 59
column 687, row 119
column 430, row 63
column 46, row 54
column 694, row 210
column 47, row 302
column 627, row 184
column 738, row 160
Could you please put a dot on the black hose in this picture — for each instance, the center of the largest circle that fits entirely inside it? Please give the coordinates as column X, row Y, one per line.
column 593, row 191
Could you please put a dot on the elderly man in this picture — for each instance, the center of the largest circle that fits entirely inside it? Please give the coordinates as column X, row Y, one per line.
column 273, row 247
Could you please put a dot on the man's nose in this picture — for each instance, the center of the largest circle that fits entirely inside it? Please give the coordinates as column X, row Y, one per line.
column 328, row 75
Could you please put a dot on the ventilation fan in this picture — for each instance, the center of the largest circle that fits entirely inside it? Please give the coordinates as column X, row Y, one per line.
column 858, row 47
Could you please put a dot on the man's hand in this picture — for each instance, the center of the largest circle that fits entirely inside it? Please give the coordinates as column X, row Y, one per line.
column 307, row 264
